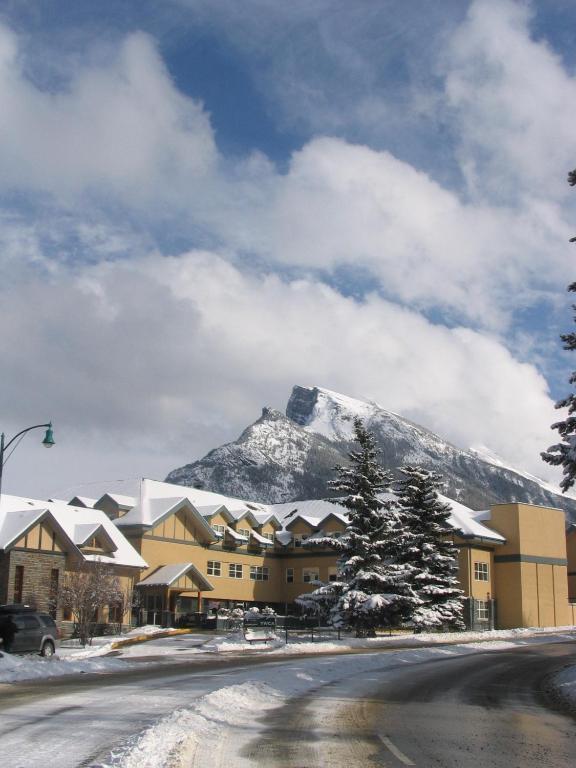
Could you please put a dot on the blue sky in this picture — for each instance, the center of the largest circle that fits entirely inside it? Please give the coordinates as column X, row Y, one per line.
column 204, row 202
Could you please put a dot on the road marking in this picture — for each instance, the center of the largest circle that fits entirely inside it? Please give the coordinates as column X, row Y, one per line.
column 395, row 751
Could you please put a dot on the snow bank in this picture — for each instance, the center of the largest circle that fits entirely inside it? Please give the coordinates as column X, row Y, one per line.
column 191, row 736
column 564, row 684
column 235, row 642
column 15, row 668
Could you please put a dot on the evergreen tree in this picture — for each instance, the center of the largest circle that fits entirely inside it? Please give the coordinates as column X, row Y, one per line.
column 374, row 587
column 428, row 548
column 563, row 454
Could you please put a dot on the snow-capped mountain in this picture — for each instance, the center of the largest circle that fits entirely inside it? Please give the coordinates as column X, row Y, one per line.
column 291, row 457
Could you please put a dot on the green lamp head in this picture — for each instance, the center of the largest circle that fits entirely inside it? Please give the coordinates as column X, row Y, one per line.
column 48, row 441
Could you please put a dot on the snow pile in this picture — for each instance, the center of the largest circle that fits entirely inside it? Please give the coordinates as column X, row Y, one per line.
column 564, row 684
column 191, row 736
column 14, row 668
column 237, row 642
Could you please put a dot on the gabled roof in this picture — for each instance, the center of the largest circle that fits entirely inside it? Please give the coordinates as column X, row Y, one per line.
column 124, row 502
column 268, row 517
column 156, row 497
column 80, row 501
column 235, row 535
column 84, row 532
column 17, row 514
column 261, row 539
column 168, row 574
column 154, row 510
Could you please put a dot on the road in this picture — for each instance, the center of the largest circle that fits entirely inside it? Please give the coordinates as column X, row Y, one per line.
column 377, row 709
column 486, row 709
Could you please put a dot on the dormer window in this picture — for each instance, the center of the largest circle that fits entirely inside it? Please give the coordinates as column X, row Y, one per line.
column 298, row 538
column 217, row 528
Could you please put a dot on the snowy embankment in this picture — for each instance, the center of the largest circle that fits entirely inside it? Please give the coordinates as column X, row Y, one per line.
column 221, row 728
column 71, row 659
column 16, row 668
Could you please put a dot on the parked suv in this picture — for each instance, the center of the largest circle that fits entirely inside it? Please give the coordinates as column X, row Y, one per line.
column 25, row 630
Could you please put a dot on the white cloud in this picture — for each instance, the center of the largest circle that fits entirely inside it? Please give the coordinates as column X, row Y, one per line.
column 175, row 354
column 122, row 126
column 513, row 103
column 163, row 358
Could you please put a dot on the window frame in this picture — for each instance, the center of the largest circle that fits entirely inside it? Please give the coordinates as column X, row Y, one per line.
column 259, row 573
column 235, row 571
column 481, row 571
column 214, row 568
column 307, row 571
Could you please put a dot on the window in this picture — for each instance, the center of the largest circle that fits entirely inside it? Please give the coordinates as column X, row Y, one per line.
column 334, row 534
column 332, row 574
column 482, row 610
column 309, row 574
column 218, row 528
column 53, row 599
column 115, row 615
column 18, row 583
column 214, row 568
column 298, row 538
column 244, row 532
column 289, row 575
column 269, row 536
column 259, row 573
column 235, row 570
column 481, row 571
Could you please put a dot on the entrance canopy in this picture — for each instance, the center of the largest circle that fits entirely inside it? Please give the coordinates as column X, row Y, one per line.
column 167, row 575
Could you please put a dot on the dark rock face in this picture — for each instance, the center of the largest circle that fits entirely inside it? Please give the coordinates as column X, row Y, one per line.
column 290, row 458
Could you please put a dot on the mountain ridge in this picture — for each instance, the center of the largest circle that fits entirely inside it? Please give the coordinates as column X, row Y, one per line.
column 291, row 457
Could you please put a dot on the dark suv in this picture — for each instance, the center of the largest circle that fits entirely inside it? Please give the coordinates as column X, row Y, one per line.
column 25, row 630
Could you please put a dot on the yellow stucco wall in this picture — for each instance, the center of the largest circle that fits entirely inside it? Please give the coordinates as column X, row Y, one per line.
column 531, row 576
column 527, row 575
column 571, row 553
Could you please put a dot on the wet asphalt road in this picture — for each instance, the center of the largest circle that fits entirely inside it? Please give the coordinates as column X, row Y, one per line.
column 490, row 710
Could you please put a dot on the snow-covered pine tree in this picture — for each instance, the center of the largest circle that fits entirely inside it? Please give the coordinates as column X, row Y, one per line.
column 375, row 588
column 563, row 454
column 429, row 550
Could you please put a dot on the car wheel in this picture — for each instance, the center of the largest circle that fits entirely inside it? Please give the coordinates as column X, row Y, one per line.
column 47, row 649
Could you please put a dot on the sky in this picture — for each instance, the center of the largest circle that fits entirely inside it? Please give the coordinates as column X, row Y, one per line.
column 206, row 202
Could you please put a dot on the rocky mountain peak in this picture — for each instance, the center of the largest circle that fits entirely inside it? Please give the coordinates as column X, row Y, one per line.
column 291, row 457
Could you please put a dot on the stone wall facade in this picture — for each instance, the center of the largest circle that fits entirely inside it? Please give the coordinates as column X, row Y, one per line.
column 37, row 587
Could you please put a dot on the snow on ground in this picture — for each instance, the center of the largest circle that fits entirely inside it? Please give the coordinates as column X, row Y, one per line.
column 15, row 668
column 235, row 642
column 74, row 659
column 218, row 728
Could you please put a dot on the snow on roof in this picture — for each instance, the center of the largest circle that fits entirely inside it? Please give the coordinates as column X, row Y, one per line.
column 261, row 539
column 86, row 531
column 18, row 513
column 157, row 499
column 127, row 502
column 314, row 509
column 15, row 521
column 80, row 501
column 267, row 517
column 168, row 574
column 463, row 519
column 235, row 535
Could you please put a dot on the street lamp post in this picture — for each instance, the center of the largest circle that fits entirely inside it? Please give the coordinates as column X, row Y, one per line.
column 48, row 442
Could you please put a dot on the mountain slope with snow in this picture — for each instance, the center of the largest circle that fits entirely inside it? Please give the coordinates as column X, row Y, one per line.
column 284, row 458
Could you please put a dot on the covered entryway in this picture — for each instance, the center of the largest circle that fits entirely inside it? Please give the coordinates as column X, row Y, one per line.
column 171, row 592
